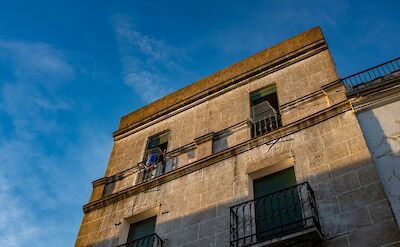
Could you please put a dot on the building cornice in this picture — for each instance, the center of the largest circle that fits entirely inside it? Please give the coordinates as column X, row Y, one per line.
column 306, row 122
column 240, row 80
column 376, row 95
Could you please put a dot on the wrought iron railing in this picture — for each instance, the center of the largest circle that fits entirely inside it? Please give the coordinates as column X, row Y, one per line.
column 372, row 74
column 152, row 240
column 275, row 215
column 267, row 125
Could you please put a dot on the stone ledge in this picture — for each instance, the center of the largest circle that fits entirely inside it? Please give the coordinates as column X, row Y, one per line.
column 231, row 85
column 266, row 59
column 376, row 94
column 311, row 120
column 186, row 148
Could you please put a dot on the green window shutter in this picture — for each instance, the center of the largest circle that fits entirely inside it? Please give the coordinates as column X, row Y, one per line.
column 141, row 229
column 279, row 212
column 274, row 182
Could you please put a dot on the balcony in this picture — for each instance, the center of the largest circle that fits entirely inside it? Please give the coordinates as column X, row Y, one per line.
column 282, row 218
column 374, row 75
column 152, row 240
column 266, row 125
column 152, row 166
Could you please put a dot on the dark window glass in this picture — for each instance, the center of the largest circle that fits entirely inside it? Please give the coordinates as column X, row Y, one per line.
column 140, row 233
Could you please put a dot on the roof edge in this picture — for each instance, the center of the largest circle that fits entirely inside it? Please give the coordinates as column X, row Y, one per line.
column 216, row 80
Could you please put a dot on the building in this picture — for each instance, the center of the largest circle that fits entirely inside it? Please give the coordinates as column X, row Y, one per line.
column 266, row 152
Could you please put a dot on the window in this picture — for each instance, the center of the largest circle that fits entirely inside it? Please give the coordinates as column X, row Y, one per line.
column 141, row 229
column 265, row 114
column 153, row 163
column 278, row 208
column 141, row 234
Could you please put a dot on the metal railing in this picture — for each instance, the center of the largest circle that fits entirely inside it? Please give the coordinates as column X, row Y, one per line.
column 274, row 215
column 153, row 164
column 266, row 125
column 375, row 73
column 152, row 240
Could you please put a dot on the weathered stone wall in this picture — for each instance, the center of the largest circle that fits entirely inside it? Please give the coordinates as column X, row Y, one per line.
column 193, row 210
column 381, row 127
column 233, row 107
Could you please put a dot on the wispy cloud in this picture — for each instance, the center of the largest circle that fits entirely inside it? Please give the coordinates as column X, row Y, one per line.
column 33, row 59
column 39, row 163
column 147, row 62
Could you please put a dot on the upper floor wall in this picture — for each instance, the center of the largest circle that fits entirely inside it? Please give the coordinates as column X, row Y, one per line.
column 303, row 77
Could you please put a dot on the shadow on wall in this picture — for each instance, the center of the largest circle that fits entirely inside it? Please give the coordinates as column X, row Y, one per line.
column 349, row 196
column 381, row 128
column 221, row 142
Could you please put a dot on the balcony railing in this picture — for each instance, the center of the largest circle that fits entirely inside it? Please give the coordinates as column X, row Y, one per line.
column 153, row 165
column 278, row 214
column 152, row 240
column 266, row 125
column 375, row 73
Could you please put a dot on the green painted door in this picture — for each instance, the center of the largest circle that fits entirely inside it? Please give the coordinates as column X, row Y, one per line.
column 279, row 213
column 139, row 230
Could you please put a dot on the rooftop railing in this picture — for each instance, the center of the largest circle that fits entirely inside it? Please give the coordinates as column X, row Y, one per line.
column 375, row 73
column 274, row 215
column 152, row 240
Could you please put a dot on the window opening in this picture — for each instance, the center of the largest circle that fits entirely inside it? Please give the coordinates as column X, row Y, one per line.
column 265, row 114
column 154, row 162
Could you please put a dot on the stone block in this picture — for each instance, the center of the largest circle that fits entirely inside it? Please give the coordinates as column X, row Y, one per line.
column 308, row 147
column 317, row 159
column 357, row 144
column 90, row 227
column 319, row 174
column 361, row 196
column 223, row 239
column 204, row 242
column 345, row 222
column 214, row 226
column 198, row 216
column 381, row 234
column 192, row 202
column 380, row 211
column 367, row 175
column 183, row 236
column 347, row 118
column 328, row 208
column 169, row 226
column 337, row 151
column 97, row 192
column 336, row 242
column 351, row 162
column 337, row 186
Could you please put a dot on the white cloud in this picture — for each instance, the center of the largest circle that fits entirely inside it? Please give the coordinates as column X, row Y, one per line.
column 147, row 63
column 32, row 60
column 42, row 181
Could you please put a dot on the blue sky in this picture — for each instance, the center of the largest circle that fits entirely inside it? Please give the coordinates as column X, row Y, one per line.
column 70, row 69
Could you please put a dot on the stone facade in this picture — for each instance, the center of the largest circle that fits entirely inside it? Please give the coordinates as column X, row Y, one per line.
column 213, row 157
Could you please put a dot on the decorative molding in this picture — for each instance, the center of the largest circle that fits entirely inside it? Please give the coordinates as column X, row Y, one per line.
column 176, row 152
column 240, row 80
column 204, row 138
column 312, row 96
column 299, row 125
column 375, row 94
